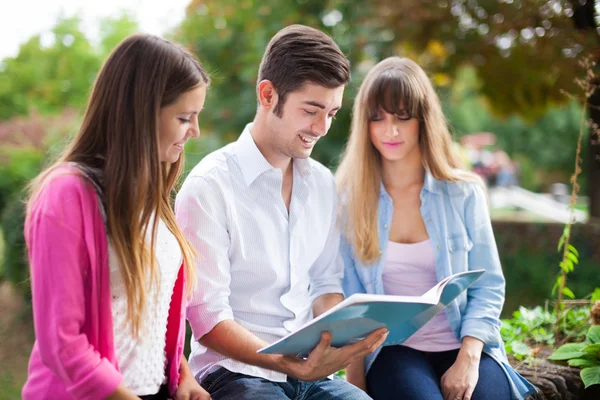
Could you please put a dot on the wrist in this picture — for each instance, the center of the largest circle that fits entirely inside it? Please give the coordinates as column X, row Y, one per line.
column 292, row 366
column 471, row 356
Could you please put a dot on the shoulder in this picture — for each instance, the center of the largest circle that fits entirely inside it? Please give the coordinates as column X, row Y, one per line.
column 468, row 186
column 214, row 164
column 64, row 195
column 321, row 173
column 63, row 185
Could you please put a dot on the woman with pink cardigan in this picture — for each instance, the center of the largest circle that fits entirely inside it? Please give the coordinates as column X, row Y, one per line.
column 110, row 268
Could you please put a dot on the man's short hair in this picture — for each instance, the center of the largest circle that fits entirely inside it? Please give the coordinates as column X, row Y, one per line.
column 298, row 54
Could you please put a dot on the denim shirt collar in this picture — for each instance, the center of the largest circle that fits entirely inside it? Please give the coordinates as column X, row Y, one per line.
column 430, row 185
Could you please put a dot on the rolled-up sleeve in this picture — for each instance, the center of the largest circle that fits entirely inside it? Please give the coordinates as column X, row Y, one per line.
column 485, row 298
column 351, row 282
column 201, row 212
column 328, row 270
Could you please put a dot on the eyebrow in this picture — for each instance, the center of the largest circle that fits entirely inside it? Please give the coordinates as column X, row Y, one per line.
column 319, row 105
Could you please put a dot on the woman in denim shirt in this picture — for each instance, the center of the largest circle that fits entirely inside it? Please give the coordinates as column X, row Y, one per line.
column 410, row 218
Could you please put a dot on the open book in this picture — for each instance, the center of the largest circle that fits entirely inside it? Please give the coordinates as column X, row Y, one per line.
column 360, row 314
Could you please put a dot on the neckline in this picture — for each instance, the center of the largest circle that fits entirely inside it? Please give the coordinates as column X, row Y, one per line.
column 409, row 244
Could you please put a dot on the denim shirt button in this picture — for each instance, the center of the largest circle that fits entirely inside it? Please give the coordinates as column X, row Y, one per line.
column 385, row 226
column 438, row 246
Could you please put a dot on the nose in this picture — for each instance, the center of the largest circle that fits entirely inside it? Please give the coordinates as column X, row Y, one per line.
column 320, row 126
column 194, row 131
column 395, row 131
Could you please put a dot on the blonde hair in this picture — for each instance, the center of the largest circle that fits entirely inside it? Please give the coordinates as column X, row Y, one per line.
column 393, row 85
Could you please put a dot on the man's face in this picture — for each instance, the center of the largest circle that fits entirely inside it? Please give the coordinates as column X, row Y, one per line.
column 306, row 117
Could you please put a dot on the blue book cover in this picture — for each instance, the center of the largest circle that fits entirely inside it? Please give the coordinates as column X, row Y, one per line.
column 360, row 314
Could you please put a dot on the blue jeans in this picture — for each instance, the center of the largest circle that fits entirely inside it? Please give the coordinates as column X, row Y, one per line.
column 224, row 385
column 417, row 375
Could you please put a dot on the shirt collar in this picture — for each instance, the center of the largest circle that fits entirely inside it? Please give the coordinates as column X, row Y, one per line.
column 253, row 163
column 430, row 184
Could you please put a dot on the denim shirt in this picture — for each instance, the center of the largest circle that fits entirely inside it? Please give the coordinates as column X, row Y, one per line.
column 457, row 221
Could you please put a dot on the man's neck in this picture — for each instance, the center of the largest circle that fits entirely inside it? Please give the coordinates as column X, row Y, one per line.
column 262, row 138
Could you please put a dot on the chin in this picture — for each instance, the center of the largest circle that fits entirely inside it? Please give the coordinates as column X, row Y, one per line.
column 304, row 153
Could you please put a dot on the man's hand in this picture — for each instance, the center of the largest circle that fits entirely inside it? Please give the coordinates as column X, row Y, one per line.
column 324, row 360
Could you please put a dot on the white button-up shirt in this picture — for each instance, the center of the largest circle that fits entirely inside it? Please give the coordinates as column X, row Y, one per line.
column 258, row 264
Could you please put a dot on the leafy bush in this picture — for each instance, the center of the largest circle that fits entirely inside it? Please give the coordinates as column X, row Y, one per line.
column 529, row 329
column 584, row 355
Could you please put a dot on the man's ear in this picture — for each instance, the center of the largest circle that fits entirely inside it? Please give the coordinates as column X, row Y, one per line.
column 267, row 95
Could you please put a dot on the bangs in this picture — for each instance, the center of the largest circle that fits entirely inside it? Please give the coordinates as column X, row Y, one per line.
column 393, row 93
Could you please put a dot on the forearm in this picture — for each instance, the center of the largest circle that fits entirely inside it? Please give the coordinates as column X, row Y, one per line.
column 355, row 374
column 122, row 393
column 325, row 302
column 234, row 341
column 184, row 369
column 470, row 349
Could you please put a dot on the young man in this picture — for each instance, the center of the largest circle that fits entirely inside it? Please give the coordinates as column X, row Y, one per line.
column 262, row 216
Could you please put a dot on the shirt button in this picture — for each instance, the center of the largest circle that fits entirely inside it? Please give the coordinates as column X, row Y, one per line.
column 385, row 226
column 438, row 246
column 428, row 220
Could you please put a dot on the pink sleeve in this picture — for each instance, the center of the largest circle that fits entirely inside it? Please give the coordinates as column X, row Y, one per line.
column 59, row 263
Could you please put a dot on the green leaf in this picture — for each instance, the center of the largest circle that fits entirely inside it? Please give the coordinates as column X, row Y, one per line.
column 568, row 292
column 590, row 376
column 593, row 335
column 520, row 348
column 561, row 241
column 596, row 295
column 593, row 350
column 581, row 363
column 573, row 258
column 568, row 351
column 573, row 250
column 555, row 287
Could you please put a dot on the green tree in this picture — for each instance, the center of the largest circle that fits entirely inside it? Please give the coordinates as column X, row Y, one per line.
column 56, row 69
column 230, row 37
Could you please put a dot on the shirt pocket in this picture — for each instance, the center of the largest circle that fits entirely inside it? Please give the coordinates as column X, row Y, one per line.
column 459, row 246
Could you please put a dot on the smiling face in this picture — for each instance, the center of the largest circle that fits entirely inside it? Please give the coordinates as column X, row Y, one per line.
column 306, row 117
column 178, row 122
column 395, row 136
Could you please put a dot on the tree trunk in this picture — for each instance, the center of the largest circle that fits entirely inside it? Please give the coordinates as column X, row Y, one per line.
column 584, row 19
column 593, row 163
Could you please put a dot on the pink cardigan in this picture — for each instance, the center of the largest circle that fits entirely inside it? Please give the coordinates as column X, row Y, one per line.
column 73, row 356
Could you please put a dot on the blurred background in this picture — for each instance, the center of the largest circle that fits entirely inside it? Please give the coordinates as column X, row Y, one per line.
column 513, row 76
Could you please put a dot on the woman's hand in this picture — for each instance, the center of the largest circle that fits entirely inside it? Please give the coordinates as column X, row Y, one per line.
column 190, row 389
column 459, row 381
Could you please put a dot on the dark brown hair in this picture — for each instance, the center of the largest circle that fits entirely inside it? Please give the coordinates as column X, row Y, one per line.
column 299, row 54
column 119, row 137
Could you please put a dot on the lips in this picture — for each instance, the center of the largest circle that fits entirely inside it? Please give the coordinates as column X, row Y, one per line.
column 307, row 139
column 392, row 144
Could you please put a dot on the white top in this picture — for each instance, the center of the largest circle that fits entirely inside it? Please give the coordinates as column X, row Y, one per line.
column 258, row 265
column 143, row 363
column 409, row 270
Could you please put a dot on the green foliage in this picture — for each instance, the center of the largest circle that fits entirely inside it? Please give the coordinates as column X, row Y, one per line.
column 56, row 70
column 584, row 355
column 530, row 328
column 545, row 144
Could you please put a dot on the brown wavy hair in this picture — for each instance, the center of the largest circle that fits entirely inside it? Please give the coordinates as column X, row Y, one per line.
column 119, row 137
